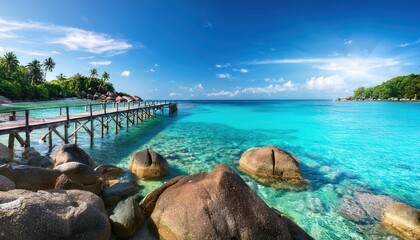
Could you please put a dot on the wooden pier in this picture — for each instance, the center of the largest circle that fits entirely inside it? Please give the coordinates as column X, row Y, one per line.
column 129, row 113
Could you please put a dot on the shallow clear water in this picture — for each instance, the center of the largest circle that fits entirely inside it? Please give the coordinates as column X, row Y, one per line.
column 343, row 147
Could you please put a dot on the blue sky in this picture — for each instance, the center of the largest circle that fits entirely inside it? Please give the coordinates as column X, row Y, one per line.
column 220, row 49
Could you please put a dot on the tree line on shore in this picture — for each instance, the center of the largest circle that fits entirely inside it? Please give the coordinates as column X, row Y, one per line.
column 29, row 82
column 401, row 87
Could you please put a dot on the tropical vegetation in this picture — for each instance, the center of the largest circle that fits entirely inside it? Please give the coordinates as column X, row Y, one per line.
column 29, row 82
column 402, row 87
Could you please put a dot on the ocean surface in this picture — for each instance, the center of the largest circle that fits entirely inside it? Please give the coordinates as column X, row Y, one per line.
column 343, row 147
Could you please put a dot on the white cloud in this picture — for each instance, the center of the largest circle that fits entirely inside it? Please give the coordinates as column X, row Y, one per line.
column 349, row 66
column 410, row 43
column 198, row 86
column 348, row 42
column 153, row 69
column 271, row 89
column 173, row 94
column 125, row 74
column 334, row 82
column 223, row 75
column 89, row 57
column 224, row 93
column 223, row 65
column 70, row 37
column 273, row 80
column 55, row 52
column 100, row 63
column 242, row 70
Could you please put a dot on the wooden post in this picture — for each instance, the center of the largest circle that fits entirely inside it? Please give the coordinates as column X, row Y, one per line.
column 12, row 144
column 107, row 125
column 66, row 126
column 126, row 120
column 60, row 111
column 28, row 135
column 92, row 127
column 102, row 126
column 12, row 117
column 50, row 137
column 75, row 133
column 116, row 121
column 104, row 108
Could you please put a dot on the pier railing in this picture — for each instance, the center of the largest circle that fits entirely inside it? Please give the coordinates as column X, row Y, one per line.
column 129, row 113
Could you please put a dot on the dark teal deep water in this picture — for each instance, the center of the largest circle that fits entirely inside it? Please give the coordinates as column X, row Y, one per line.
column 343, row 147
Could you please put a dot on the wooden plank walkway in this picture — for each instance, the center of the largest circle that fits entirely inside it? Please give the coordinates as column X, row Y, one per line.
column 129, row 114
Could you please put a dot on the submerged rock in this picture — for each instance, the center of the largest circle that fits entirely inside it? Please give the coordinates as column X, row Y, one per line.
column 64, row 182
column 374, row 205
column 403, row 220
column 352, row 211
column 272, row 165
column 126, row 218
column 72, row 153
column 53, row 214
column 214, row 205
column 148, row 164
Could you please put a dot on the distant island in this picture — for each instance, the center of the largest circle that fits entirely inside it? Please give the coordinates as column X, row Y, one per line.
column 29, row 82
column 401, row 88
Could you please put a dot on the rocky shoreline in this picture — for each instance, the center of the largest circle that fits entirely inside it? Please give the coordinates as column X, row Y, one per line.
column 69, row 196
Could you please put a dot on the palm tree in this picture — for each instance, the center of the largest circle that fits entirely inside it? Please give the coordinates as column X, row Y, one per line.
column 105, row 76
column 10, row 61
column 34, row 71
column 48, row 65
column 93, row 73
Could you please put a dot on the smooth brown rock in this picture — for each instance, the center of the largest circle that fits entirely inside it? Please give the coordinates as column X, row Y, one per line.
column 72, row 153
column 108, row 172
column 31, row 178
column 147, row 164
column 79, row 172
column 272, row 165
column 404, row 220
column 53, row 214
column 214, row 205
column 64, row 182
column 6, row 184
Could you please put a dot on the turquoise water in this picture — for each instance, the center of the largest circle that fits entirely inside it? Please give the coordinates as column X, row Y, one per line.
column 343, row 147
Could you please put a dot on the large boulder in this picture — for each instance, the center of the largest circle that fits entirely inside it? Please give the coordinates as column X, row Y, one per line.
column 403, row 220
column 6, row 184
column 373, row 204
column 79, row 172
column 117, row 192
column 126, row 218
column 31, row 178
column 148, row 164
column 53, row 214
column 272, row 165
column 64, row 182
column 214, row 205
column 72, row 153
